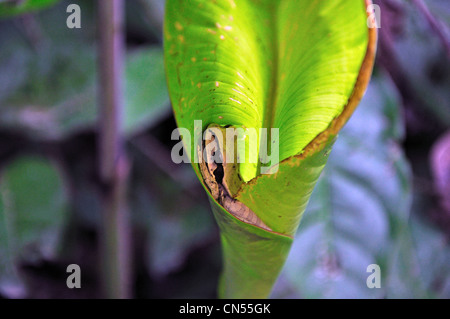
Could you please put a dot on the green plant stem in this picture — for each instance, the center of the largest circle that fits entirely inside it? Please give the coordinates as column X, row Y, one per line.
column 113, row 164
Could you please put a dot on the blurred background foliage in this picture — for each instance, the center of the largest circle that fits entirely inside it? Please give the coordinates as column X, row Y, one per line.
column 383, row 198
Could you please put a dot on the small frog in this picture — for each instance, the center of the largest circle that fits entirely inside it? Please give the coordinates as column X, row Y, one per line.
column 221, row 174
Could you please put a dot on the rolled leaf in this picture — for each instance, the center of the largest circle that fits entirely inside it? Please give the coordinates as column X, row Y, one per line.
column 295, row 65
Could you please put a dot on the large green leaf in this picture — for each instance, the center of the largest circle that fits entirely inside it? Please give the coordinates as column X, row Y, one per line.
column 299, row 66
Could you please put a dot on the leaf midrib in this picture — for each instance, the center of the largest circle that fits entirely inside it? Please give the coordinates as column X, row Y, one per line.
column 272, row 95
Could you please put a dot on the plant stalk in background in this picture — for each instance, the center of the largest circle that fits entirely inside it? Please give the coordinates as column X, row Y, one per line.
column 113, row 164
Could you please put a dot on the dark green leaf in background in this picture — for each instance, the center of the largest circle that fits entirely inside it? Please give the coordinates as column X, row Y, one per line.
column 15, row 7
column 297, row 66
column 146, row 97
column 33, row 210
column 48, row 79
